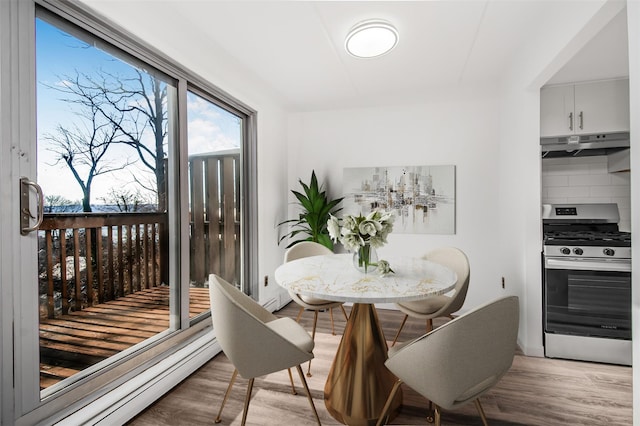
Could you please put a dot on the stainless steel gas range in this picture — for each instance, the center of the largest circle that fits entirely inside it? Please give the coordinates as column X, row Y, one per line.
column 586, row 283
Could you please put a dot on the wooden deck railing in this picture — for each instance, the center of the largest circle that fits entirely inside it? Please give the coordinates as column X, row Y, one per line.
column 89, row 258
column 215, row 212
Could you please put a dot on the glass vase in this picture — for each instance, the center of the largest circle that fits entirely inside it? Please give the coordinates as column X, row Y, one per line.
column 365, row 259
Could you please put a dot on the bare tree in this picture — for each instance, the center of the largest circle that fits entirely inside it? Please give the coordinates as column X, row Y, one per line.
column 82, row 147
column 127, row 201
column 153, row 97
column 58, row 203
column 128, row 108
column 135, row 105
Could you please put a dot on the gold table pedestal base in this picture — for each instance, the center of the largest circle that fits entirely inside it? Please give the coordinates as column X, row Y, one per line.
column 358, row 383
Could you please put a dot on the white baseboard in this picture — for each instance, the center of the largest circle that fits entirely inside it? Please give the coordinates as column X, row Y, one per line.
column 129, row 399
column 537, row 351
column 273, row 304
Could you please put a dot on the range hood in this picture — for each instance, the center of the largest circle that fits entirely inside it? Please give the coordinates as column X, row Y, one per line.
column 584, row 145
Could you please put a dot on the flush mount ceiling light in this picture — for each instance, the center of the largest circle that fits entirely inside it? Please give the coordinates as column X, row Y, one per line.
column 371, row 38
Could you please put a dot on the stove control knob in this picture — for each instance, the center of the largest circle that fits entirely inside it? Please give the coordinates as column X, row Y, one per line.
column 577, row 251
column 565, row 250
column 609, row 252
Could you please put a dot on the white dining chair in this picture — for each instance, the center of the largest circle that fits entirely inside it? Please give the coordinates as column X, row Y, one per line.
column 459, row 361
column 256, row 341
column 443, row 305
column 307, row 249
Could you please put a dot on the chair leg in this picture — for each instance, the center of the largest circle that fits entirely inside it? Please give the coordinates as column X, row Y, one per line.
column 395, row 339
column 315, row 323
column 333, row 330
column 313, row 337
column 293, row 387
column 346, row 317
column 437, row 415
column 247, row 399
column 226, row 394
column 299, row 314
column 429, row 325
column 382, row 419
column 481, row 412
column 430, row 416
column 306, row 388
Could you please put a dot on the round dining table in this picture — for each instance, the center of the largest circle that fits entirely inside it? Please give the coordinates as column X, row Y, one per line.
column 358, row 383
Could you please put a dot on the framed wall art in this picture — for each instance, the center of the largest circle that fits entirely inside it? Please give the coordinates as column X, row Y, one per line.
column 423, row 198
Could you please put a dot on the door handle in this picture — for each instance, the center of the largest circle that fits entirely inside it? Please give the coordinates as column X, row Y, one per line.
column 611, row 265
column 25, row 212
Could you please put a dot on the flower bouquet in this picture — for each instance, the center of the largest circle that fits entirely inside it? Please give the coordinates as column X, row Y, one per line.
column 361, row 235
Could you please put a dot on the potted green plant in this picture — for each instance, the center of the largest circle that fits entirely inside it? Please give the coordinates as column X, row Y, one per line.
column 315, row 210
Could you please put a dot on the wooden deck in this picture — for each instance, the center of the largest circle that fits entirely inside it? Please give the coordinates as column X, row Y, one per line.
column 80, row 339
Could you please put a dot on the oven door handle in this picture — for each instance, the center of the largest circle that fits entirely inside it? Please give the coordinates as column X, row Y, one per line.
column 612, row 265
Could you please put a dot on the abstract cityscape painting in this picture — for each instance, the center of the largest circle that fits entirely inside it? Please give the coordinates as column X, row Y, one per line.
column 423, row 198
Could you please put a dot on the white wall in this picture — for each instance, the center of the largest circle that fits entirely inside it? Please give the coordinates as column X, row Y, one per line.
column 519, row 237
column 586, row 180
column 455, row 127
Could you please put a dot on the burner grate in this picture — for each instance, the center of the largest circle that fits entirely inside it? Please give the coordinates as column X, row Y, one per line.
column 590, row 238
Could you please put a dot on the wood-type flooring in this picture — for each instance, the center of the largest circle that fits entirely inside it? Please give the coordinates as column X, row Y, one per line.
column 78, row 340
column 536, row 391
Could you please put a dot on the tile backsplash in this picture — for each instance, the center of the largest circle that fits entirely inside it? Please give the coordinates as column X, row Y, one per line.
column 586, row 180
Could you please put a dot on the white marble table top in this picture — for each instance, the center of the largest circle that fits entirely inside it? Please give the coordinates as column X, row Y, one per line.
column 333, row 277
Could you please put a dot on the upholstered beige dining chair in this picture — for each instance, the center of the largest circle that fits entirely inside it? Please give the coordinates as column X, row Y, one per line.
column 459, row 361
column 256, row 341
column 307, row 249
column 444, row 305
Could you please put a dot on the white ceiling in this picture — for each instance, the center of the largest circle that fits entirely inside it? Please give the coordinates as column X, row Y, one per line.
column 296, row 48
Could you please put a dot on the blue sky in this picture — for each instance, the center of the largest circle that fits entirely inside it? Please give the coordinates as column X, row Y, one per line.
column 59, row 54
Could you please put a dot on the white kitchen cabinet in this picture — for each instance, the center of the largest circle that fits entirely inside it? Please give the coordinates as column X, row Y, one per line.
column 557, row 116
column 584, row 108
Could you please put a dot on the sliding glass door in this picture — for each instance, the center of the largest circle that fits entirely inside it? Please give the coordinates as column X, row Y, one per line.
column 131, row 178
